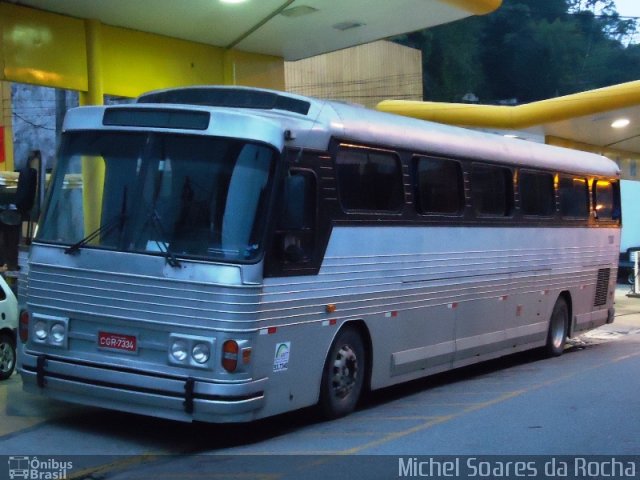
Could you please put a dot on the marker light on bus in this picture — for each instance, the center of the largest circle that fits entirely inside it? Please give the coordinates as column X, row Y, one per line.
column 230, row 355
column 246, row 355
column 24, row 326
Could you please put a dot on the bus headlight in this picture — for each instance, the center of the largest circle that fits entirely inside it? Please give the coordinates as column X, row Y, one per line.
column 58, row 333
column 49, row 330
column 190, row 351
column 179, row 350
column 201, row 353
column 40, row 331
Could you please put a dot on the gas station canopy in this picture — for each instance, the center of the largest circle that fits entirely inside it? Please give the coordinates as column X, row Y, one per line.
column 290, row 29
column 125, row 47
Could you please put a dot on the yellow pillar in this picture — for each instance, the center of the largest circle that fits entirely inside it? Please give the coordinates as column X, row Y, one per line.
column 92, row 167
column 6, row 128
column 229, row 68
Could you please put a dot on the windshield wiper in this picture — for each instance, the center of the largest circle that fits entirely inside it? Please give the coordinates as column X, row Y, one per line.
column 117, row 221
column 163, row 246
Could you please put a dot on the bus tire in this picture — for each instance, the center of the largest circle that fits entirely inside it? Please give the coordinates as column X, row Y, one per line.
column 343, row 374
column 7, row 356
column 558, row 329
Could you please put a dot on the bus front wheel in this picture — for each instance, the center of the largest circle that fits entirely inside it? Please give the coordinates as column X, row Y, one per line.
column 343, row 374
column 558, row 329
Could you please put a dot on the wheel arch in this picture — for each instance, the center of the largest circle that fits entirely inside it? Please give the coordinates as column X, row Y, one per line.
column 361, row 327
column 566, row 296
column 328, row 406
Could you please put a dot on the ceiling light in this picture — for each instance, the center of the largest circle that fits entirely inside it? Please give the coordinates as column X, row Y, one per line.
column 299, row 11
column 233, row 1
column 347, row 25
column 620, row 123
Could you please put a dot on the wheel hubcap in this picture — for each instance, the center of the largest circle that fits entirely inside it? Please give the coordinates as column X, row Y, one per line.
column 6, row 357
column 345, row 371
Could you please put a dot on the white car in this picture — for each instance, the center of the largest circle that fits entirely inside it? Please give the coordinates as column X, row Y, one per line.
column 8, row 327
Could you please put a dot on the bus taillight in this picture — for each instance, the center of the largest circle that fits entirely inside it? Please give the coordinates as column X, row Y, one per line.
column 23, row 327
column 230, row 355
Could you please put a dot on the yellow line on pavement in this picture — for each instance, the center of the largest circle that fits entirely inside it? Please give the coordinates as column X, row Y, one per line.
column 117, row 465
column 243, row 476
column 479, row 406
column 401, row 417
column 472, row 408
column 10, row 424
column 431, row 423
column 625, row 357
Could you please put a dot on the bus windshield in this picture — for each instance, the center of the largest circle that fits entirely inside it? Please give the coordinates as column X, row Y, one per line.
column 157, row 193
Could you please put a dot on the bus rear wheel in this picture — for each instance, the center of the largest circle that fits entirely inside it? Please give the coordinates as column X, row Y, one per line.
column 558, row 329
column 343, row 374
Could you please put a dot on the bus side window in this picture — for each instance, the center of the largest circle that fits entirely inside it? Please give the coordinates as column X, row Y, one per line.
column 491, row 190
column 574, row 197
column 606, row 200
column 297, row 225
column 439, row 186
column 369, row 180
column 536, row 193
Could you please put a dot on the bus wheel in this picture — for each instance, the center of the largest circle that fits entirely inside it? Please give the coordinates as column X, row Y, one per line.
column 558, row 329
column 7, row 356
column 343, row 375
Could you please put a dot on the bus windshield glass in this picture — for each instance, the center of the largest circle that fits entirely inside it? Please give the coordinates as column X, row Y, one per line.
column 164, row 194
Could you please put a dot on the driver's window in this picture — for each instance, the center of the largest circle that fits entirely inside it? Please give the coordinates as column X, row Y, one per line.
column 296, row 231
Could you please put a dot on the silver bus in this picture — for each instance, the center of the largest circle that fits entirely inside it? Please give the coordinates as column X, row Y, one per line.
column 224, row 254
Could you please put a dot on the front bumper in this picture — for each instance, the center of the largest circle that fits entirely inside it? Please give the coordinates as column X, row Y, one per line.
column 178, row 398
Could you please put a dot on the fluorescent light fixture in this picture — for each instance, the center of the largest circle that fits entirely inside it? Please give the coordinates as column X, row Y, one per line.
column 232, row 1
column 620, row 123
column 347, row 25
column 298, row 11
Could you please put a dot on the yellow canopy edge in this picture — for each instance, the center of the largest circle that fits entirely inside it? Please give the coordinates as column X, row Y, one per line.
column 477, row 7
column 521, row 116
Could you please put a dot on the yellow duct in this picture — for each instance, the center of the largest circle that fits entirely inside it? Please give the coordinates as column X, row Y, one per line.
column 522, row 116
column 477, row 7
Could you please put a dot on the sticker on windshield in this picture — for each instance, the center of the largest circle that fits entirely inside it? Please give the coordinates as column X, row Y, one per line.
column 281, row 359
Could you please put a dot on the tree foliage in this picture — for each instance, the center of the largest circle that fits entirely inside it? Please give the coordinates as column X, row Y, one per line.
column 528, row 50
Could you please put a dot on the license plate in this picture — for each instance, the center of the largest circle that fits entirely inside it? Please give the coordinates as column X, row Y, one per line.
column 117, row 341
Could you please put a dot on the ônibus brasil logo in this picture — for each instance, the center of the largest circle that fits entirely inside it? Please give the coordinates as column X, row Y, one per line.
column 33, row 468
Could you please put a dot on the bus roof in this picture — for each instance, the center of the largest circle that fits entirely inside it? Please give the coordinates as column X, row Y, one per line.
column 314, row 122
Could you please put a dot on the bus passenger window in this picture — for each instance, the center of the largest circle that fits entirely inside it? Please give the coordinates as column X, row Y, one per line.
column 606, row 201
column 536, row 194
column 574, row 197
column 369, row 180
column 491, row 190
column 439, row 186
